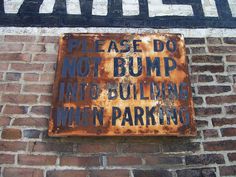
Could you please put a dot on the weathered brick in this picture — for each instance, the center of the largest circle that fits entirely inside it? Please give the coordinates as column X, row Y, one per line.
column 152, row 173
column 198, row 50
column 22, row 172
column 202, row 123
column 213, row 40
column 31, row 77
column 123, row 160
column 190, row 41
column 205, row 159
column 40, row 110
column 19, row 99
column 31, row 133
column 140, row 148
column 221, row 99
column 13, row 87
column 231, row 58
column 228, row 170
column 36, row 122
column 228, row 131
column 45, row 99
column 96, row 148
column 12, row 146
column 19, row 38
column 7, row 159
column 210, row 133
column 229, row 40
column 11, row 133
column 68, row 173
column 9, row 47
column 222, row 49
column 26, row 67
column 223, row 121
column 231, row 109
column 14, row 57
column 4, row 120
column 4, row 66
column 10, row 109
column 220, row 145
column 48, row 39
column 204, row 112
column 50, row 67
column 206, row 59
column 202, row 172
column 107, row 173
column 223, row 79
column 47, row 77
column 79, row 161
column 232, row 156
column 157, row 159
column 50, row 146
column 197, row 100
column 210, row 68
column 36, row 159
column 231, row 68
column 13, row 76
column 37, row 88
column 205, row 78
column 45, row 57
column 35, row 48
column 213, row 89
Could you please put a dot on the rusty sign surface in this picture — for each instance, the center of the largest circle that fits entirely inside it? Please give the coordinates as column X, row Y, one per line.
column 122, row 85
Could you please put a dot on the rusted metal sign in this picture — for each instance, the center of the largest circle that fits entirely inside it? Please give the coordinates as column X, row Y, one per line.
column 122, row 85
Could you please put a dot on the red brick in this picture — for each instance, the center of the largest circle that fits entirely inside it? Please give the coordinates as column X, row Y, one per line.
column 19, row 99
column 26, row 67
column 67, row 173
column 13, row 76
column 97, row 148
column 205, row 159
column 213, row 89
column 11, row 133
column 228, row 131
column 12, row 87
column 206, row 59
column 12, row 146
column 79, row 161
column 22, row 172
column 205, row 78
column 37, row 122
column 45, row 57
column 19, row 38
column 36, row 160
column 140, row 148
column 230, row 109
column 47, row 77
column 51, row 146
column 11, row 47
column 223, row 79
column 231, row 58
column 123, row 160
column 197, row 100
column 3, row 66
column 222, row 49
column 202, row 123
column 210, row 133
column 220, row 145
column 198, row 50
column 210, row 68
column 10, row 109
column 7, row 159
column 198, row 172
column 48, row 39
column 221, row 99
column 50, row 67
column 195, row 41
column 45, row 99
column 223, row 121
column 204, row 112
column 228, row 170
column 31, row 77
column 40, row 110
column 37, row 88
column 14, row 57
column 109, row 173
column 162, row 160
column 35, row 48
column 213, row 40
column 4, row 121
column 232, row 156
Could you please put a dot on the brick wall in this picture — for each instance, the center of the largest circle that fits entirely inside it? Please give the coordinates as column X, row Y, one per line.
column 27, row 65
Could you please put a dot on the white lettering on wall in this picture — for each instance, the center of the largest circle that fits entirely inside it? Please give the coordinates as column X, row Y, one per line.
column 47, row 6
column 157, row 8
column 12, row 6
column 130, row 7
column 209, row 8
column 73, row 7
column 232, row 4
column 100, row 7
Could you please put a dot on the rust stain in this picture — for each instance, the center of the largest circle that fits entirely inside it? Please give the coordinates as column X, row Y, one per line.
column 81, row 87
